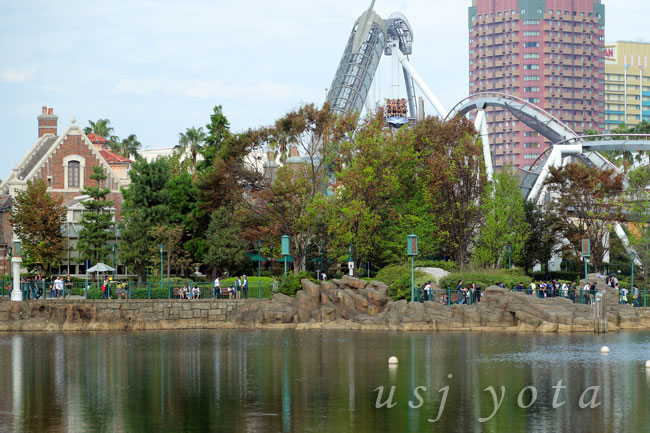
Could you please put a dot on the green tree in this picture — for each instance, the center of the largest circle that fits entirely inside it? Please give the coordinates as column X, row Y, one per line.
column 226, row 247
column 455, row 178
column 638, row 206
column 37, row 219
column 130, row 146
column 541, row 239
column 145, row 207
column 378, row 175
column 588, row 202
column 505, row 222
column 103, row 128
column 97, row 226
column 191, row 141
column 218, row 131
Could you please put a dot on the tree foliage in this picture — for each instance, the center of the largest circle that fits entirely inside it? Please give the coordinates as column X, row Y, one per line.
column 505, row 224
column 37, row 219
column 455, row 177
column 97, row 225
column 226, row 248
column 587, row 202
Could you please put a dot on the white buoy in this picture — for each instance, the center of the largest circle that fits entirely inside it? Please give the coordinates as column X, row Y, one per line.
column 604, row 349
column 647, row 364
column 393, row 360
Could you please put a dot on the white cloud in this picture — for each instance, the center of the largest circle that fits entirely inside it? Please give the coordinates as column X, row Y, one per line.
column 17, row 75
column 206, row 89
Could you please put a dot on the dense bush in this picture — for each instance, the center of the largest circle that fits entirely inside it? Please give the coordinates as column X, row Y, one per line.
column 486, row 278
column 290, row 284
column 559, row 275
column 401, row 289
column 447, row 266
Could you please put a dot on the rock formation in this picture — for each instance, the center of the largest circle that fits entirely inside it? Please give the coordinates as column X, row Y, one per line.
column 351, row 303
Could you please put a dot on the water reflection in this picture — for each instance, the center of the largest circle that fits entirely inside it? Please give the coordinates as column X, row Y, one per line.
column 250, row 381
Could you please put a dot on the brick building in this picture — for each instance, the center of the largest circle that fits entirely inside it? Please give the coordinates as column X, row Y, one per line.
column 64, row 162
column 548, row 52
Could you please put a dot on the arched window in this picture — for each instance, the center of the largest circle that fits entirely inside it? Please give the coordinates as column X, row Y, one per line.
column 74, row 170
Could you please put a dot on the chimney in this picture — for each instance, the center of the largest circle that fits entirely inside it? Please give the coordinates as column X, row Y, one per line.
column 47, row 122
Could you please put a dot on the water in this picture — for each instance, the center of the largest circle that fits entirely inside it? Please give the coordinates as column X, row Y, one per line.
column 312, row 381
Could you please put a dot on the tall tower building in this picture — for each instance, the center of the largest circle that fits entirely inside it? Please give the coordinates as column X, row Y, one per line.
column 627, row 84
column 547, row 52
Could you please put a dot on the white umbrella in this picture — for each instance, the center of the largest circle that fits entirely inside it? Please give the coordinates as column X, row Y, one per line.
column 100, row 267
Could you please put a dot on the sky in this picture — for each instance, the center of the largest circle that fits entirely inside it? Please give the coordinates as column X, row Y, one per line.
column 156, row 68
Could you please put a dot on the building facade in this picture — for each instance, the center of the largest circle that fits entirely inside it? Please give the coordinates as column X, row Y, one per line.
column 64, row 162
column 547, row 52
column 627, row 84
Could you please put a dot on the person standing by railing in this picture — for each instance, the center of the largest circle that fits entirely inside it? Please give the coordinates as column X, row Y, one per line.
column 68, row 287
column 244, row 287
column 635, row 295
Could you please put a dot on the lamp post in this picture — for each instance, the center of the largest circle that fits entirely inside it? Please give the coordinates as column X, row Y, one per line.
column 285, row 252
column 113, row 247
column 162, row 250
column 16, row 261
column 509, row 248
column 412, row 251
column 633, row 257
column 259, row 267
column 586, row 252
column 350, row 261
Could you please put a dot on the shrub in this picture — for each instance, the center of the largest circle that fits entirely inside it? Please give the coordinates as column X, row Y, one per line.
column 486, row 278
column 447, row 266
column 558, row 275
column 290, row 284
column 401, row 289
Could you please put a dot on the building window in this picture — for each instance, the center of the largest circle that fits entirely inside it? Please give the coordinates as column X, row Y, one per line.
column 74, row 169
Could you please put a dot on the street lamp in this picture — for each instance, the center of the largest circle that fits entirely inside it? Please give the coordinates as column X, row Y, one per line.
column 285, row 252
column 8, row 252
column 586, row 252
column 412, row 251
column 259, row 267
column 350, row 261
column 162, row 250
column 113, row 247
column 633, row 256
column 509, row 248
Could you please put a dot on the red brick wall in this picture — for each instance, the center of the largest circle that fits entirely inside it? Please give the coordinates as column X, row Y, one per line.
column 54, row 168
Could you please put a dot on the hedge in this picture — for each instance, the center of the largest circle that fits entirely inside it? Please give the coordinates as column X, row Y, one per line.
column 486, row 278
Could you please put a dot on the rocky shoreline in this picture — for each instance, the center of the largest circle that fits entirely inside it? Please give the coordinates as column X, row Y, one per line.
column 346, row 304
column 351, row 303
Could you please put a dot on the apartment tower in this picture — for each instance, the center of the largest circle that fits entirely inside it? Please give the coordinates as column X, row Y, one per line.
column 547, row 52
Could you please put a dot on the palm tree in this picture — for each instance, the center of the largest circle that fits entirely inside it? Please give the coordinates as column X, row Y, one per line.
column 191, row 140
column 104, row 129
column 130, row 146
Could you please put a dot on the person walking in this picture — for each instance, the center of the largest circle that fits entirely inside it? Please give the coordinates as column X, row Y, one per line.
column 68, row 287
column 58, row 283
column 52, row 289
column 623, row 296
column 237, row 287
column 217, row 288
column 635, row 295
column 244, row 287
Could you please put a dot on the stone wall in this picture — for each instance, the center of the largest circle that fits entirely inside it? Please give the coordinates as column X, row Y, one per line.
column 116, row 315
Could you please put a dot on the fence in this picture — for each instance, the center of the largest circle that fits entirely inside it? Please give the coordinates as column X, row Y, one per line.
column 467, row 297
column 44, row 289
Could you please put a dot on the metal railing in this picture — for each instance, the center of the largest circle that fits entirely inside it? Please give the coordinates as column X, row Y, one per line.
column 45, row 289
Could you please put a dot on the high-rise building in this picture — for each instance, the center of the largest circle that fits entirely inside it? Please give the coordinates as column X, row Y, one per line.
column 547, row 52
column 626, row 67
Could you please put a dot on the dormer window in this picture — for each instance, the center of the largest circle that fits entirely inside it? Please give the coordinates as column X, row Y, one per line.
column 74, row 169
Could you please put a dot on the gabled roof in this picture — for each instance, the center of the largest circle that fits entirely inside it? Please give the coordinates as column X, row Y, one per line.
column 42, row 150
column 114, row 158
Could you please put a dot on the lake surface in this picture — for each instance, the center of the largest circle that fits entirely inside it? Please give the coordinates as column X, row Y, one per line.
column 313, row 381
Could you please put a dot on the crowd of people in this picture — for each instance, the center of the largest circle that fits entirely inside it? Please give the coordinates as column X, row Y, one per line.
column 55, row 287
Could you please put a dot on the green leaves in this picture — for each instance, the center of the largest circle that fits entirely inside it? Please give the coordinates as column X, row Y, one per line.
column 37, row 219
column 97, row 225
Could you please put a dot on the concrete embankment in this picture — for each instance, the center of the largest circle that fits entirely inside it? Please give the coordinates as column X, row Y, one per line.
column 339, row 304
column 116, row 315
